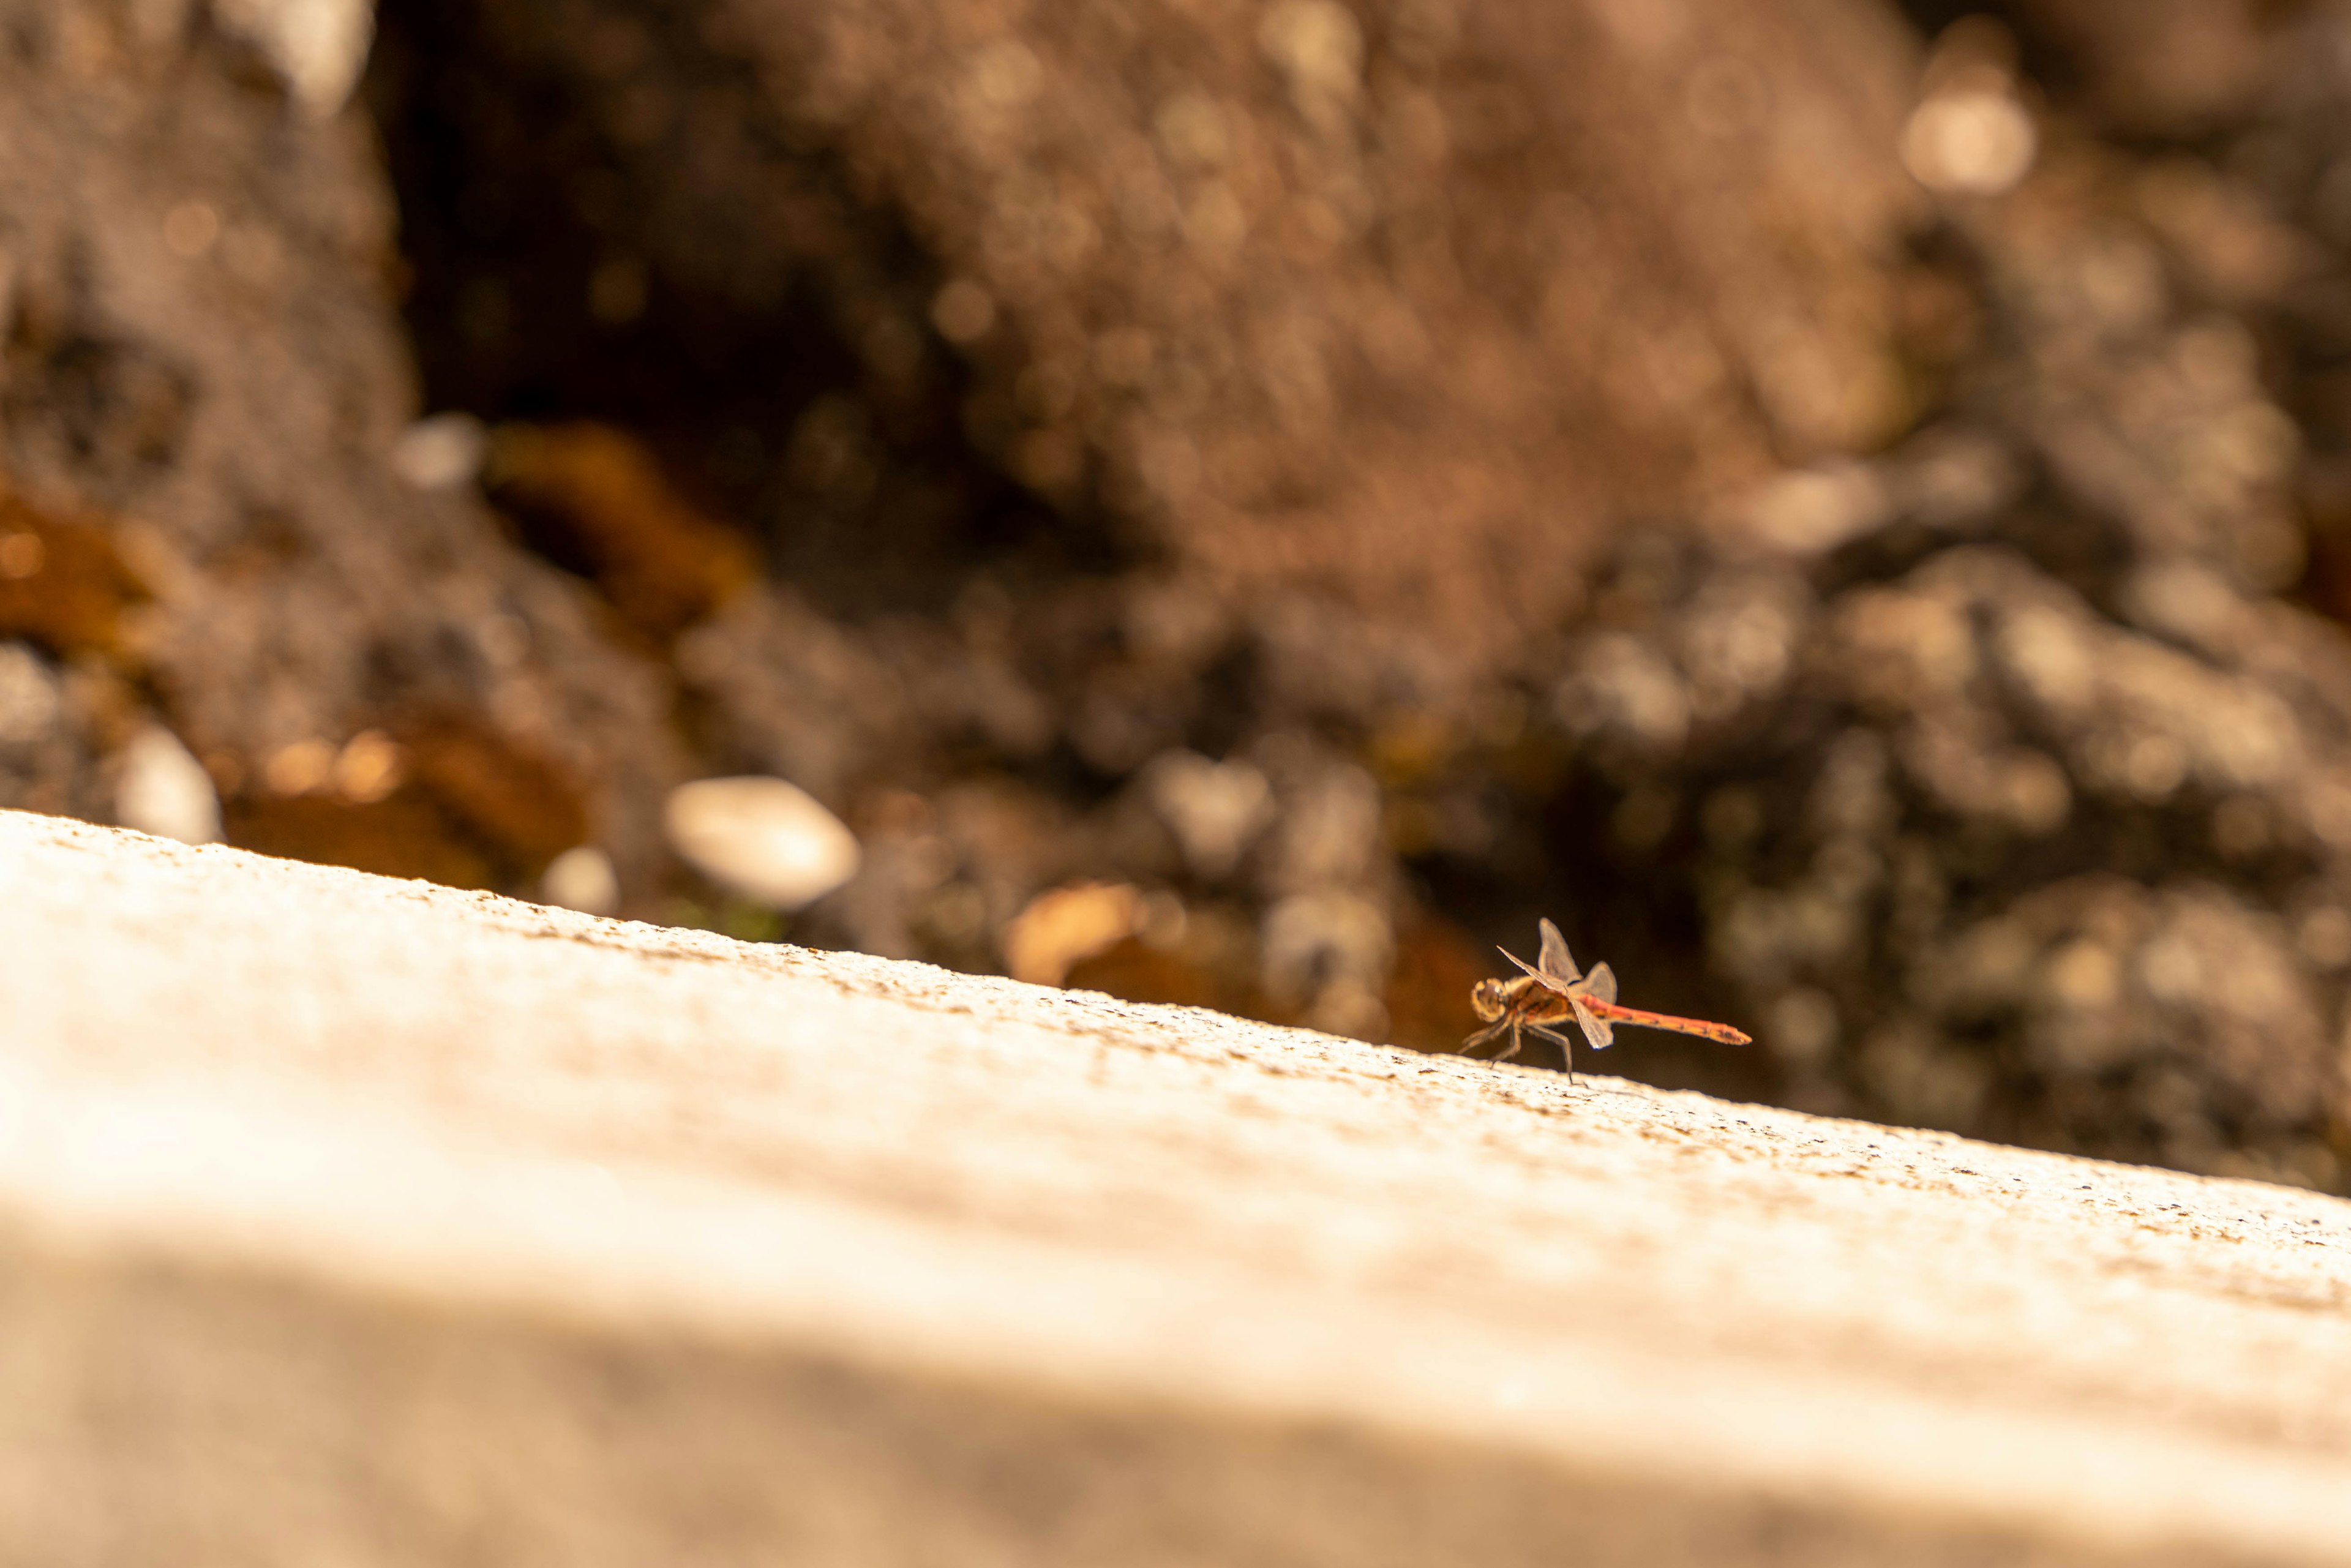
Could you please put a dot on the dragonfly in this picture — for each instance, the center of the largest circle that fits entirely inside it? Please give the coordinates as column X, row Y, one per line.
column 1555, row 989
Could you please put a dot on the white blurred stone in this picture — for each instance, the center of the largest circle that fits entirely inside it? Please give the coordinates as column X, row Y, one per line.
column 163, row 789
column 762, row 838
column 581, row 878
column 1319, row 45
column 1317, row 939
column 441, row 453
column 30, row 699
column 1215, row 810
column 317, row 46
column 1809, row 510
column 1972, row 140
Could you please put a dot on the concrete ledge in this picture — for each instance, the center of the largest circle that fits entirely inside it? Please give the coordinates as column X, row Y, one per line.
column 354, row 1220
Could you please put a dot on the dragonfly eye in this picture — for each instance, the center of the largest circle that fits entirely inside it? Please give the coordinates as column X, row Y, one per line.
column 1486, row 999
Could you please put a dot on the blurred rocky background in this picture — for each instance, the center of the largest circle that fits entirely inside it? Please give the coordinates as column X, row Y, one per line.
column 1847, row 507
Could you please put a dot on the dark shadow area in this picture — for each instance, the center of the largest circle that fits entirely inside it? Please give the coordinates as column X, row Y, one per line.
column 576, row 245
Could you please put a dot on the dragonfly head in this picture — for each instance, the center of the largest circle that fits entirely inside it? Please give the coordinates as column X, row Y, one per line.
column 1487, row 999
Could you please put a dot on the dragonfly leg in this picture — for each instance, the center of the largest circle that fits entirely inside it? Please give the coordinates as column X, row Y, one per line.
column 1485, row 1037
column 1566, row 1051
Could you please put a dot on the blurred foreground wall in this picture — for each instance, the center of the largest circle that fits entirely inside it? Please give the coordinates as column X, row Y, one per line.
column 354, row 1220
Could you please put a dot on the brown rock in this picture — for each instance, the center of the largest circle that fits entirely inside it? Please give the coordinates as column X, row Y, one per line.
column 201, row 355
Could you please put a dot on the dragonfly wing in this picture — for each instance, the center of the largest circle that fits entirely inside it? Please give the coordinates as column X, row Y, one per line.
column 1548, row 982
column 1596, row 1027
column 1556, row 959
column 1601, row 982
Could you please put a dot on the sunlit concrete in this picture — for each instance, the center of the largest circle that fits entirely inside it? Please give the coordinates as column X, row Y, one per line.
column 355, row 1221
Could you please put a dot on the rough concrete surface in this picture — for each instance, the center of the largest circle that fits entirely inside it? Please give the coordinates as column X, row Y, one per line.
column 354, row 1221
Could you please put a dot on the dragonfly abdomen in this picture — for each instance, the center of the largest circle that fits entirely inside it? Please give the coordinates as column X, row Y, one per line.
column 1720, row 1033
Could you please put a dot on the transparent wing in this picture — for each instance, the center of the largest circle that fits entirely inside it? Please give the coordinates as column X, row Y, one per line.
column 1596, row 1027
column 1601, row 982
column 1548, row 982
column 1556, row 959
